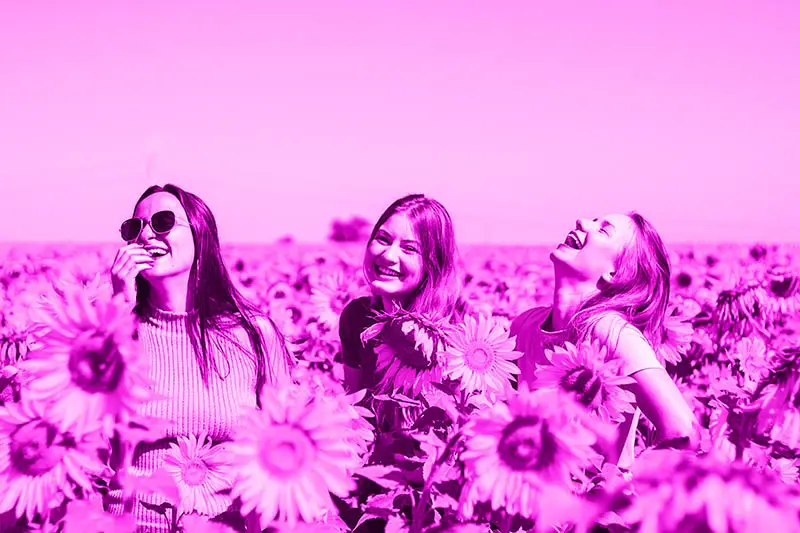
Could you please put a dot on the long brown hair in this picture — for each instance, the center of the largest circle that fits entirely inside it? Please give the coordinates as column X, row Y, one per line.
column 439, row 293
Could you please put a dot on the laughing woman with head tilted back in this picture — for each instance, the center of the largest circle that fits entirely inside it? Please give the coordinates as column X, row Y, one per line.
column 612, row 279
column 211, row 351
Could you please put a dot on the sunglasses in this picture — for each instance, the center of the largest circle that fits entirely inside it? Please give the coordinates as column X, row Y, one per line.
column 161, row 223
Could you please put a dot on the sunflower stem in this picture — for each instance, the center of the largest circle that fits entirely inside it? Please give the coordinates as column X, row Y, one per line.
column 174, row 526
column 418, row 514
column 763, row 332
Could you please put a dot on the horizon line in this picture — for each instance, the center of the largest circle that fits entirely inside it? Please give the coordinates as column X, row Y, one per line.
column 278, row 242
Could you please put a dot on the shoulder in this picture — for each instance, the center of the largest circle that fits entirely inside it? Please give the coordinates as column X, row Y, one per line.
column 358, row 306
column 532, row 318
column 241, row 328
column 267, row 327
column 356, row 314
column 624, row 341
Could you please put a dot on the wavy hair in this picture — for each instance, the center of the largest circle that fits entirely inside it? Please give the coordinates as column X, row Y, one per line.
column 439, row 292
column 638, row 292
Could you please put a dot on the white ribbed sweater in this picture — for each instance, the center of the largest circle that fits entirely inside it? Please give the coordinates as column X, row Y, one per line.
column 193, row 406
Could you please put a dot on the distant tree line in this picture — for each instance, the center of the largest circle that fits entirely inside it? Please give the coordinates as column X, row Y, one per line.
column 354, row 229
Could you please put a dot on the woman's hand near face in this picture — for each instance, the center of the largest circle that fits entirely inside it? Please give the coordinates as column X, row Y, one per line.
column 130, row 260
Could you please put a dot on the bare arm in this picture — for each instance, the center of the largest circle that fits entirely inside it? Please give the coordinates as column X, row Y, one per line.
column 657, row 396
column 663, row 404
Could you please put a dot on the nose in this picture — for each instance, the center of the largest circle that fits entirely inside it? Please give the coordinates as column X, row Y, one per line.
column 581, row 224
column 391, row 253
column 147, row 233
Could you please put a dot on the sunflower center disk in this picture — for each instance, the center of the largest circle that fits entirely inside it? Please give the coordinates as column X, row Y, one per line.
column 194, row 473
column 479, row 357
column 584, row 383
column 95, row 364
column 32, row 449
column 527, row 445
column 783, row 288
column 287, row 452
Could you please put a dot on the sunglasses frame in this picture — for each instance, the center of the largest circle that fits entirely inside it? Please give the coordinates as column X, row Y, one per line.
column 145, row 222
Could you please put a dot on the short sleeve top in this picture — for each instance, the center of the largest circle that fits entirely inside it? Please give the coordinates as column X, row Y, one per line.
column 357, row 316
column 533, row 337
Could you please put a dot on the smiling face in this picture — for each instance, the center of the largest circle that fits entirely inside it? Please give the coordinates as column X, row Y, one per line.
column 593, row 247
column 393, row 261
column 173, row 251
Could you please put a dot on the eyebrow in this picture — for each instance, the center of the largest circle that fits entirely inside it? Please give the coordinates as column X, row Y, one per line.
column 606, row 224
column 404, row 241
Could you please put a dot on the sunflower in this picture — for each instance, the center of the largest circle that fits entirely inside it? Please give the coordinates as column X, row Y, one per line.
column 289, row 457
column 87, row 367
column 677, row 340
column 596, row 383
column 752, row 358
column 739, row 305
column 479, row 355
column 708, row 493
column 330, row 296
column 409, row 348
column 783, row 293
column 200, row 472
column 521, row 455
column 38, row 464
column 324, row 384
column 9, row 385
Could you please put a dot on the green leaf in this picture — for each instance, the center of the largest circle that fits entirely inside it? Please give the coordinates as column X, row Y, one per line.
column 396, row 525
column 387, row 477
column 372, row 332
column 398, row 398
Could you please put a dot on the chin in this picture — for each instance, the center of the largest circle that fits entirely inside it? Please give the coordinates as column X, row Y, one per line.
column 389, row 290
column 559, row 255
column 154, row 274
column 384, row 289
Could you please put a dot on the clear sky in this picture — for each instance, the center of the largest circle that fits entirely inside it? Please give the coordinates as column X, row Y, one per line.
column 519, row 116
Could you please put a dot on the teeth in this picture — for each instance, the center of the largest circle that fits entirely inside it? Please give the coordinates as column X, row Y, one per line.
column 156, row 252
column 387, row 272
column 573, row 241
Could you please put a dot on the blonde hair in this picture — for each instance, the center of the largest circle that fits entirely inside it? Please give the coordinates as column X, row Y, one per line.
column 638, row 292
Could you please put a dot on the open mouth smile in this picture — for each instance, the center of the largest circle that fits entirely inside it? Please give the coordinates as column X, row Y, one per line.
column 574, row 241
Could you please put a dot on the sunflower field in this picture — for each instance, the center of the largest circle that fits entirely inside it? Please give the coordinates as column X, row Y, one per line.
column 446, row 444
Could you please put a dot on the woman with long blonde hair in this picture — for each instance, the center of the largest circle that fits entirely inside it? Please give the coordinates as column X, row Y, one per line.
column 612, row 286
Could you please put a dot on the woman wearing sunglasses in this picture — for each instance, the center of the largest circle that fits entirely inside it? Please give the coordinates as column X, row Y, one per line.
column 211, row 350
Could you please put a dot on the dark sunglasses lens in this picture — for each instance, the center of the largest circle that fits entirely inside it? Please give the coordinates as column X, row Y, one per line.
column 130, row 229
column 163, row 221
